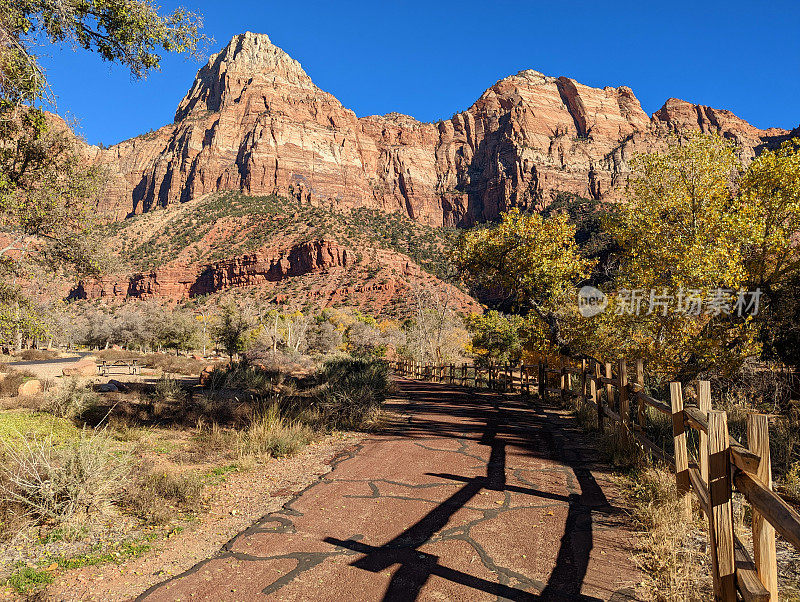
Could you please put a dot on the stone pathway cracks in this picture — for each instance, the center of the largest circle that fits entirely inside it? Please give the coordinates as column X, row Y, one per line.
column 468, row 495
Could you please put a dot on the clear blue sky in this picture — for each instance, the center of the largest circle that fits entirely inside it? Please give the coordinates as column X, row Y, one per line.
column 430, row 59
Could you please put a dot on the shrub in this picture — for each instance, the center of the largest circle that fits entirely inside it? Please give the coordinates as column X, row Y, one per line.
column 71, row 400
column 173, row 364
column 270, row 434
column 245, row 376
column 9, row 386
column 287, row 361
column 792, row 481
column 113, row 355
column 54, row 484
column 169, row 391
column 784, row 439
column 353, row 391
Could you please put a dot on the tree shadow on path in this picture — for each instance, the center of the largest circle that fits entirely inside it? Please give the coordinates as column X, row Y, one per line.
column 495, row 421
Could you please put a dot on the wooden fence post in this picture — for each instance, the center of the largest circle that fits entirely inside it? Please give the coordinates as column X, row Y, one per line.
column 704, row 403
column 624, row 403
column 542, row 380
column 609, row 390
column 721, row 518
column 596, row 394
column 641, row 412
column 583, row 382
column 763, row 533
column 681, row 452
column 563, row 378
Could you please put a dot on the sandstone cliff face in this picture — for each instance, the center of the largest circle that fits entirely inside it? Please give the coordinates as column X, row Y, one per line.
column 328, row 273
column 179, row 282
column 253, row 121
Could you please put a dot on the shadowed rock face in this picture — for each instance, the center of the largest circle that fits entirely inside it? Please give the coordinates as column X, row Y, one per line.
column 253, row 121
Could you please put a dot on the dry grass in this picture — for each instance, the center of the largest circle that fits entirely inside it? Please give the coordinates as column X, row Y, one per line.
column 271, row 434
column 585, row 412
column 158, row 497
column 669, row 547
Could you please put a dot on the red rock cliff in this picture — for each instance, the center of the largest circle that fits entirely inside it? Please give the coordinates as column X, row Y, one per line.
column 254, row 121
column 181, row 282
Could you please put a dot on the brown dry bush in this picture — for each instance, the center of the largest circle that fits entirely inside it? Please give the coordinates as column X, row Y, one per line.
column 38, row 355
column 157, row 497
column 173, row 364
column 70, row 400
column 55, row 485
column 9, row 385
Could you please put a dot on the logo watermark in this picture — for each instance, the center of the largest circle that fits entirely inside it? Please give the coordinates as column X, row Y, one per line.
column 591, row 301
column 684, row 301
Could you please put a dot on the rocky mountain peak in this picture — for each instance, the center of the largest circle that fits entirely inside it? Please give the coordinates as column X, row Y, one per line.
column 249, row 61
column 254, row 122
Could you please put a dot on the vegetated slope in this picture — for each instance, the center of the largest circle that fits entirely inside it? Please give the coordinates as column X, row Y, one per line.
column 281, row 250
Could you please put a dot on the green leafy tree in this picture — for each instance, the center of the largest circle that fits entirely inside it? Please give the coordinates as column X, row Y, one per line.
column 496, row 337
column 178, row 330
column 234, row 329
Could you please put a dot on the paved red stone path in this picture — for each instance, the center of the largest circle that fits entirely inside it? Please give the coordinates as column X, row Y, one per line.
column 470, row 496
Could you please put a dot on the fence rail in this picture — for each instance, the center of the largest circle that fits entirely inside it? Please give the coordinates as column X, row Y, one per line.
column 712, row 468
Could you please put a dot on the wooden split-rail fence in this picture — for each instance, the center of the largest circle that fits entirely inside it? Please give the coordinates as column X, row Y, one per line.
column 707, row 461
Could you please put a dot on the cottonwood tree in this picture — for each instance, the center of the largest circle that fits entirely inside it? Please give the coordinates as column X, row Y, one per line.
column 435, row 333
column 497, row 337
column 234, row 328
column 698, row 222
column 533, row 263
column 697, row 228
column 44, row 184
column 681, row 236
column 771, row 206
